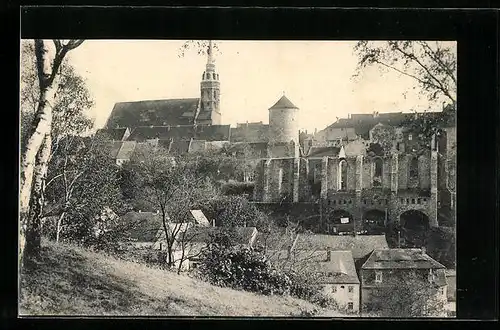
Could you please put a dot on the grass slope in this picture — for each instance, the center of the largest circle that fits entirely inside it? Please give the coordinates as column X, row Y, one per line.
column 69, row 280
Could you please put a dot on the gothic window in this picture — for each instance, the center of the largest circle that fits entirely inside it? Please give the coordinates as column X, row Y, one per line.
column 342, row 175
column 377, row 172
column 208, row 75
column 414, row 168
column 280, row 180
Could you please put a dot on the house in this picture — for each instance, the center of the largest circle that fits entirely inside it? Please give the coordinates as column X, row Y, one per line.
column 360, row 245
column 385, row 264
column 145, row 229
column 191, row 243
column 337, row 278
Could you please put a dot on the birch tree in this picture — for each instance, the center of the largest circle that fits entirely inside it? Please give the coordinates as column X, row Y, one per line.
column 35, row 157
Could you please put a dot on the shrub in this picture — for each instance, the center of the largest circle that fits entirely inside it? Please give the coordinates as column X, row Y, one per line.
column 241, row 268
column 238, row 188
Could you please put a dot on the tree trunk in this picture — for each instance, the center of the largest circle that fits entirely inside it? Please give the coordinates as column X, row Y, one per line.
column 59, row 223
column 32, row 244
column 41, row 125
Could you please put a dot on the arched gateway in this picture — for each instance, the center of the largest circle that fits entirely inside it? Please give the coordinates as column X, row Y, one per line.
column 415, row 225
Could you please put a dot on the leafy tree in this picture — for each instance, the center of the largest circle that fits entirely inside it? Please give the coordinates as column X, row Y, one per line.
column 407, row 295
column 36, row 153
column 75, row 188
column 432, row 65
column 171, row 186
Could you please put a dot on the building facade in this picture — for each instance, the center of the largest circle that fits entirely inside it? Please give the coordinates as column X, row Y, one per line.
column 365, row 171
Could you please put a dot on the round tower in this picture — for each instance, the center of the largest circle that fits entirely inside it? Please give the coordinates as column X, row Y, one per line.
column 283, row 128
column 210, row 93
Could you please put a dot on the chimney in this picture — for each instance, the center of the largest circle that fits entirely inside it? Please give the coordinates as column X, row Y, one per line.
column 328, row 254
column 213, row 223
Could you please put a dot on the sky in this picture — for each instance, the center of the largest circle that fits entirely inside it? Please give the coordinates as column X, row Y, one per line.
column 317, row 76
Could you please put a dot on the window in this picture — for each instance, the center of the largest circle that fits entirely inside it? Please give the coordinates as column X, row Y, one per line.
column 215, row 94
column 413, row 168
column 350, row 306
column 334, row 202
column 441, row 291
column 410, row 137
column 378, row 277
column 334, row 289
column 342, row 176
column 341, row 286
column 350, row 288
column 413, row 200
column 377, row 172
column 280, row 180
column 419, row 201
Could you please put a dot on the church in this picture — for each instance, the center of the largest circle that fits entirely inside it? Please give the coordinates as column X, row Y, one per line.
column 361, row 171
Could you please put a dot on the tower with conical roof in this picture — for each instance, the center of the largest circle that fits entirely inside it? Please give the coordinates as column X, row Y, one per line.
column 283, row 129
column 210, row 92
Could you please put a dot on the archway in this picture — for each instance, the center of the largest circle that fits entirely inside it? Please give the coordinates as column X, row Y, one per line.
column 374, row 222
column 339, row 221
column 415, row 225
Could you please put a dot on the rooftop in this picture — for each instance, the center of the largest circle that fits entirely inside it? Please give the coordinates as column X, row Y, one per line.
column 283, row 103
column 400, row 259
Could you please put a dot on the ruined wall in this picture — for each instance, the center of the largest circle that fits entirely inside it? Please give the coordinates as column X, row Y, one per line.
column 386, row 170
column 424, row 171
column 403, row 171
column 351, row 173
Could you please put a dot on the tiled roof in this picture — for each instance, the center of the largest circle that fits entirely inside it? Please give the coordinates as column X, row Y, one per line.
column 184, row 132
column 250, row 133
column 114, row 148
column 126, row 150
column 178, row 147
column 153, row 113
column 400, row 259
column 323, row 151
column 115, row 134
column 340, row 269
column 278, row 239
column 360, row 245
column 142, row 227
column 243, row 235
column 283, row 103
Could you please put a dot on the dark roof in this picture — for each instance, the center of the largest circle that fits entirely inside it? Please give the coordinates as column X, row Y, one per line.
column 283, row 103
column 400, row 259
column 115, row 134
column 213, row 132
column 250, row 133
column 340, row 269
column 360, row 245
column 181, row 132
column 243, row 235
column 178, row 147
column 126, row 150
column 277, row 239
column 142, row 227
column 153, row 113
column 323, row 151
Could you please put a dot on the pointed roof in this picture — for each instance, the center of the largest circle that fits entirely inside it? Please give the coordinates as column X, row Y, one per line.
column 283, row 103
column 341, row 152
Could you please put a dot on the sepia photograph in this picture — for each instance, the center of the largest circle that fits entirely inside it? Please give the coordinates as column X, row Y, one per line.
column 237, row 178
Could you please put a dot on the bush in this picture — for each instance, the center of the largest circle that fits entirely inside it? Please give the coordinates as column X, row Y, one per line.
column 238, row 188
column 243, row 269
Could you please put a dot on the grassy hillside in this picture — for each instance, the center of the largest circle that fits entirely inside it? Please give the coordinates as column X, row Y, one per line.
column 69, row 280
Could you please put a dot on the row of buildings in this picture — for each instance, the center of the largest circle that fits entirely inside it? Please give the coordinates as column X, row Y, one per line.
column 348, row 269
column 364, row 169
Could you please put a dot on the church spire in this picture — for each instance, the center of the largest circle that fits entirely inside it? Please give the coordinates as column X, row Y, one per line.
column 210, row 59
